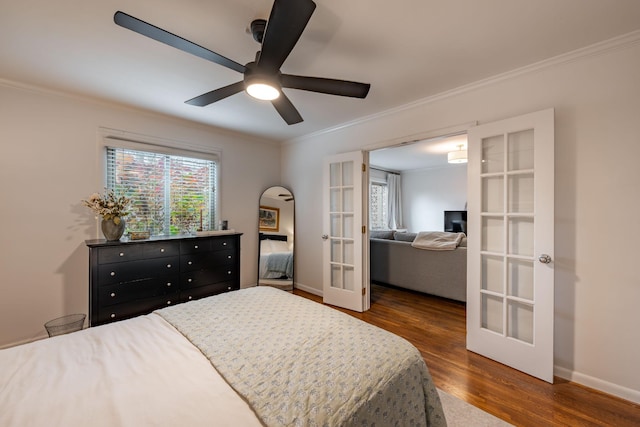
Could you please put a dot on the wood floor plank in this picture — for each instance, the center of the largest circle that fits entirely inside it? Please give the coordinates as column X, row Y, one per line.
column 437, row 327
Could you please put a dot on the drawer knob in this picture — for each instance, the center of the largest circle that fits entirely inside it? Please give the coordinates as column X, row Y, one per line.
column 190, row 297
column 189, row 280
column 113, row 273
column 168, row 302
column 196, row 246
column 113, row 294
column 113, row 315
column 229, row 288
column 169, row 284
column 190, row 263
column 121, row 253
column 228, row 272
column 168, row 265
column 224, row 243
column 229, row 257
column 161, row 249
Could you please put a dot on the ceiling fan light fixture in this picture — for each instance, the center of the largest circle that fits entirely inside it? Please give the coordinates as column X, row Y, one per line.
column 458, row 156
column 263, row 91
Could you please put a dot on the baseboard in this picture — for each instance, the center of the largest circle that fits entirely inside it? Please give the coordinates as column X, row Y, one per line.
column 309, row 289
column 598, row 384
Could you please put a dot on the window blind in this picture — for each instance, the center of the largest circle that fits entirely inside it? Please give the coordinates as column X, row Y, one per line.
column 169, row 194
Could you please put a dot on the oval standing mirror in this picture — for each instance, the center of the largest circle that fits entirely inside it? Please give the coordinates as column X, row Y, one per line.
column 276, row 228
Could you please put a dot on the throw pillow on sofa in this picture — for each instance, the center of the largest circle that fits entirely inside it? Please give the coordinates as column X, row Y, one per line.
column 404, row 237
column 381, row 234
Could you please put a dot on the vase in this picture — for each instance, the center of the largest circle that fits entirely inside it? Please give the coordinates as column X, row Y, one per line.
column 111, row 230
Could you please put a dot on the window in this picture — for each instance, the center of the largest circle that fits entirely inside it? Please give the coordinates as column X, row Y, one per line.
column 170, row 194
column 378, row 209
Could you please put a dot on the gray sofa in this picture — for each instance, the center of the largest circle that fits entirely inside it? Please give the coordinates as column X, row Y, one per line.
column 395, row 262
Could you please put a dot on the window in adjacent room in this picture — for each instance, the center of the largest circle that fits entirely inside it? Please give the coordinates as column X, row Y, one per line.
column 378, row 210
column 171, row 194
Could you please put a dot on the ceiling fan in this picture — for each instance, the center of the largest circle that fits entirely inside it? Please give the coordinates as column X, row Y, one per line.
column 262, row 77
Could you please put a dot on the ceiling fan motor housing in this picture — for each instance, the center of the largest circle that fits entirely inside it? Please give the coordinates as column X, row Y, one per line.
column 257, row 29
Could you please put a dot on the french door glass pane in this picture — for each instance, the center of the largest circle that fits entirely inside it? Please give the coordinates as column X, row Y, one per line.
column 336, row 277
column 492, row 234
column 492, row 273
column 520, row 321
column 491, row 308
column 521, row 236
column 520, row 193
column 347, row 200
column 335, row 175
column 336, row 251
column 493, row 154
column 493, row 194
column 347, row 174
column 348, row 278
column 520, row 278
column 520, row 150
column 336, row 225
column 347, row 221
column 335, row 196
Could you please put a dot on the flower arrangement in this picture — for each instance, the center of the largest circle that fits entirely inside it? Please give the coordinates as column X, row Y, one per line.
column 108, row 205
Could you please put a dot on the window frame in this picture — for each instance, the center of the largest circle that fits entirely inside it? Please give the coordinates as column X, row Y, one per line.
column 122, row 139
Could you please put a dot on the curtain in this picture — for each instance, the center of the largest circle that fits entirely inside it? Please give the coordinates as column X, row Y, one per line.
column 395, row 201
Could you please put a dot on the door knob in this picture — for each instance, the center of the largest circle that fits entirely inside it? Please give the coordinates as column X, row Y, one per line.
column 544, row 258
column 325, row 237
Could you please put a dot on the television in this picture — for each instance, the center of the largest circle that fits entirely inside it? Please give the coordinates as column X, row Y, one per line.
column 455, row 221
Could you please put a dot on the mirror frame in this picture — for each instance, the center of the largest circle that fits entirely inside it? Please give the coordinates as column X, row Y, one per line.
column 276, row 217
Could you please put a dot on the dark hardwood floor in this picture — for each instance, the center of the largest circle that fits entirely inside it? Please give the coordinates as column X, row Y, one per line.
column 437, row 327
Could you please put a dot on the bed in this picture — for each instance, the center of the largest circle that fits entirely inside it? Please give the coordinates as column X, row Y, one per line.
column 253, row 357
column 276, row 257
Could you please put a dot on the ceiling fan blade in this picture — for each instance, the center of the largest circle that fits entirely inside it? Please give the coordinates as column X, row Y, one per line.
column 286, row 109
column 151, row 31
column 286, row 23
column 329, row 86
column 216, row 95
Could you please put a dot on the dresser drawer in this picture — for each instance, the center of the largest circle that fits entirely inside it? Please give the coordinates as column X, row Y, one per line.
column 138, row 289
column 195, row 246
column 122, row 253
column 197, row 278
column 136, row 270
column 209, row 260
column 222, row 243
column 160, row 249
column 205, row 291
column 135, row 308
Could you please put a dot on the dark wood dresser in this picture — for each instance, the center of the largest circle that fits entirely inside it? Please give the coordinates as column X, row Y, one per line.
column 129, row 278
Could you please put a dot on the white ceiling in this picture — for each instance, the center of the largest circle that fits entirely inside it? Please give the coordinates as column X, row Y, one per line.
column 406, row 49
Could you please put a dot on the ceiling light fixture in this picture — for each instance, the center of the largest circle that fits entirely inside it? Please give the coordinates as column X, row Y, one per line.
column 263, row 91
column 458, row 156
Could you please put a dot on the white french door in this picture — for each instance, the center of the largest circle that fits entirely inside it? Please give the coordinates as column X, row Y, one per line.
column 510, row 279
column 345, row 260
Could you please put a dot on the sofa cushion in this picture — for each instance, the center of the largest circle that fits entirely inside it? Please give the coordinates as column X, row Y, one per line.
column 404, row 237
column 381, row 234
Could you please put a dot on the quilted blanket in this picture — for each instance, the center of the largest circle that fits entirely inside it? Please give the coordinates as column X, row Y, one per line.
column 298, row 363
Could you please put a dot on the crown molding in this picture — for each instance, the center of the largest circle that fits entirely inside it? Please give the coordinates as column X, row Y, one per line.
column 600, row 48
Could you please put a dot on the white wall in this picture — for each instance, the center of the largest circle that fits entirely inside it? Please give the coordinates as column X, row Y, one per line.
column 49, row 163
column 427, row 193
column 597, row 285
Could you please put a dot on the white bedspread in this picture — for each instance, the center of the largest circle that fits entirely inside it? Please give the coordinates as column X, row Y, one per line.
column 154, row 377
